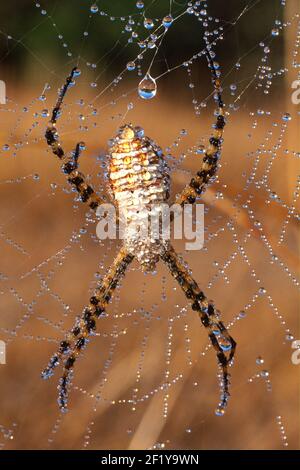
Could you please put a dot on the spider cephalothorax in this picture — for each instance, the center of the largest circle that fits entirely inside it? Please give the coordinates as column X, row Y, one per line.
column 139, row 180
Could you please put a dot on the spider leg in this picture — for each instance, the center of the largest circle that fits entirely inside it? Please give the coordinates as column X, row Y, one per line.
column 221, row 341
column 77, row 338
column 212, row 155
column 70, row 164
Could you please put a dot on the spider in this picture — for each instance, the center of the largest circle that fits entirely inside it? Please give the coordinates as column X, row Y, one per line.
column 137, row 170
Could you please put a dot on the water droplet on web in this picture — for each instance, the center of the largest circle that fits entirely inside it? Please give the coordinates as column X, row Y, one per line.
column 286, row 117
column 264, row 373
column 220, row 412
column 259, row 360
column 224, row 343
column 147, row 87
column 77, row 72
column 5, row 147
column 148, row 23
column 167, row 21
column 140, row 4
column 289, row 337
column 94, row 8
column 242, row 314
column 275, row 32
column 273, row 195
column 130, row 66
column 139, row 131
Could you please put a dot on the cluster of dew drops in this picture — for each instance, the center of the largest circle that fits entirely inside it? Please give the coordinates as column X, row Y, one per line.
column 147, row 87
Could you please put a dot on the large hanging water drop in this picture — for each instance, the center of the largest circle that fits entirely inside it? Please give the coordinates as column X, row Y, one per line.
column 147, row 87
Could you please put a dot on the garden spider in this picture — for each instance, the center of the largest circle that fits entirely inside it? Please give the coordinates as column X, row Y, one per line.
column 137, row 168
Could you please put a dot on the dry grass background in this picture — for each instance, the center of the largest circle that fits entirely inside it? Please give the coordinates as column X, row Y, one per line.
column 42, row 223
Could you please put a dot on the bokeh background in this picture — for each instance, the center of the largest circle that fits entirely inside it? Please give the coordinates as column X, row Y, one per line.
column 49, row 252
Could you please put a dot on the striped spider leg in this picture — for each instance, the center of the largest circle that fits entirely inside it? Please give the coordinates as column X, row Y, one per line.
column 85, row 326
column 221, row 341
column 70, row 164
column 210, row 160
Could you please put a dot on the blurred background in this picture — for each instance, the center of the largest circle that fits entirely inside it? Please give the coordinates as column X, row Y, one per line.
column 148, row 379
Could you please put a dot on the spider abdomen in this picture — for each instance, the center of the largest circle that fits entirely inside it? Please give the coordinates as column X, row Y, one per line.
column 140, row 183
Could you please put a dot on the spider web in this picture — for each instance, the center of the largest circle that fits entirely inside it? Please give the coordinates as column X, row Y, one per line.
column 148, row 378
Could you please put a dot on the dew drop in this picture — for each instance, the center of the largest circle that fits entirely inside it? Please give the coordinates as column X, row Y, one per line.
column 289, row 337
column 130, row 66
column 167, row 21
column 139, row 131
column 94, row 8
column 286, row 117
column 140, row 4
column 148, row 23
column 147, row 87
column 224, row 343
column 242, row 314
column 273, row 195
column 151, row 45
column 220, row 412
column 77, row 72
column 5, row 147
column 264, row 373
column 275, row 32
